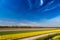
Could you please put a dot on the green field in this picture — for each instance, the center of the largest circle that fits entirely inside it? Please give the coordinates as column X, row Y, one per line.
column 15, row 32
column 20, row 34
column 49, row 37
column 57, row 37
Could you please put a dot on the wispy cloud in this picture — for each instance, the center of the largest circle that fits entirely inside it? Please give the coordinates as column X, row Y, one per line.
column 48, row 9
column 53, row 22
column 41, row 2
column 51, row 7
column 48, row 22
column 29, row 24
column 7, row 23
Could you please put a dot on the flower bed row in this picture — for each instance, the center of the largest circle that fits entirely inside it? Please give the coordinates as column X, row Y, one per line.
column 23, row 35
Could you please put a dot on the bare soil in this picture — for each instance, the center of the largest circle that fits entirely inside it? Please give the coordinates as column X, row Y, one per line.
column 13, row 29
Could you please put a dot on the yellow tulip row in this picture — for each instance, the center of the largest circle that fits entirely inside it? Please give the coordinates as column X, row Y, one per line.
column 56, row 37
column 22, row 35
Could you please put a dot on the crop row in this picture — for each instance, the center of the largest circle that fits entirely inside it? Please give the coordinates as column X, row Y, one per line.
column 23, row 35
column 57, row 37
column 49, row 37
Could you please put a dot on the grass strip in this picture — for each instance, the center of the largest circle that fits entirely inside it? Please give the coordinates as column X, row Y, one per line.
column 23, row 35
column 57, row 37
column 15, row 32
column 47, row 37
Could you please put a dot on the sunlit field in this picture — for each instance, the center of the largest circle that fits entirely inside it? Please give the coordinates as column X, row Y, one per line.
column 50, row 37
column 57, row 37
column 21, row 34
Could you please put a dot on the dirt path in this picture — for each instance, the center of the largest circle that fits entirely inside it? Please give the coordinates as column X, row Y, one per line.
column 35, row 37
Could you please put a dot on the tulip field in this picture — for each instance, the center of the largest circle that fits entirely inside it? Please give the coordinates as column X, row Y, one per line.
column 15, row 35
column 56, row 37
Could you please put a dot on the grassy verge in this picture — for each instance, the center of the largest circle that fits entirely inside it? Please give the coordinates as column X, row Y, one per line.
column 15, row 32
column 56, row 37
column 28, row 34
column 49, row 37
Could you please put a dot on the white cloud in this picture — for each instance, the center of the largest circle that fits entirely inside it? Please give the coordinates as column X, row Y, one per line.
column 29, row 24
column 51, row 22
column 7, row 23
column 51, row 7
column 48, row 9
column 41, row 2
column 50, row 3
column 46, row 23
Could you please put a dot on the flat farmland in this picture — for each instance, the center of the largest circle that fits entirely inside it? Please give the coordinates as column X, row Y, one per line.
column 14, row 29
column 27, row 33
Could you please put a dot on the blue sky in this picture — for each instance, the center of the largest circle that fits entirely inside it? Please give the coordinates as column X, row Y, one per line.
column 30, row 12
